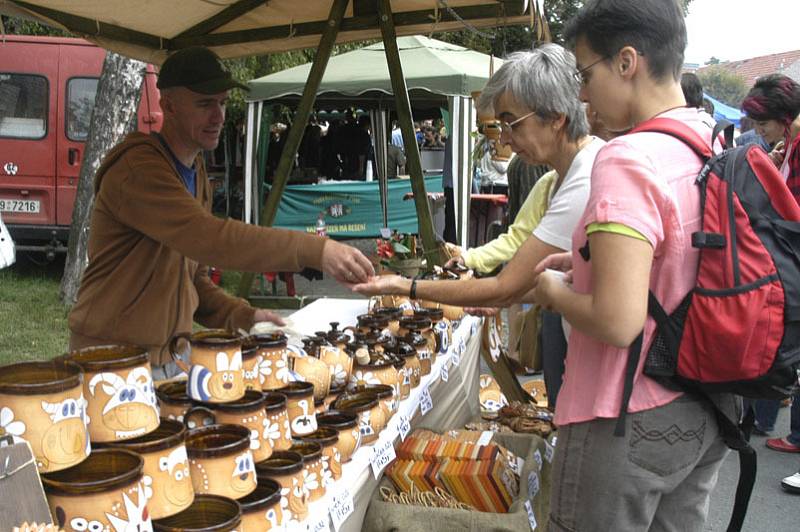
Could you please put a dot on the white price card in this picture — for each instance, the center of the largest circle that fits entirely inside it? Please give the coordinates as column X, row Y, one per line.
column 533, row 484
column 403, row 426
column 425, row 401
column 548, row 452
column 341, row 508
column 531, row 517
column 382, row 455
column 319, row 525
column 538, row 457
column 456, row 357
column 553, row 441
column 445, row 372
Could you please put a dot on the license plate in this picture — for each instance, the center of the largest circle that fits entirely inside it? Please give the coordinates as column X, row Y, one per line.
column 15, row 205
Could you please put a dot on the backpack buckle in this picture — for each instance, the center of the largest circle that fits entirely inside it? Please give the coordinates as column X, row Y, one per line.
column 701, row 239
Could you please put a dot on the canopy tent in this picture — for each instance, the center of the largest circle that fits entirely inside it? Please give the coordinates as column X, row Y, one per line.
column 726, row 112
column 438, row 74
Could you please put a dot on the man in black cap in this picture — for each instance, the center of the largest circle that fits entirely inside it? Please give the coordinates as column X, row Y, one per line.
column 153, row 236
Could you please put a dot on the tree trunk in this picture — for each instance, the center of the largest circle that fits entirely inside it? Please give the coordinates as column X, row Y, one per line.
column 113, row 117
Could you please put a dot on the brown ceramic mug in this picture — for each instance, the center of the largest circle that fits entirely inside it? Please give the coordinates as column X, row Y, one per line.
column 118, row 386
column 313, row 371
column 346, row 425
column 392, row 315
column 273, row 359
column 251, row 364
column 104, row 492
column 42, row 403
column 249, row 412
column 375, row 373
column 370, row 416
column 208, row 513
column 286, row 468
column 166, row 467
column 215, row 365
column 279, row 432
column 261, row 510
column 328, row 438
column 339, row 362
column 386, row 397
column 220, row 460
column 300, row 407
column 313, row 483
column 172, row 400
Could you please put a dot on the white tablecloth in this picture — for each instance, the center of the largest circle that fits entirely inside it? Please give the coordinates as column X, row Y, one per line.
column 455, row 402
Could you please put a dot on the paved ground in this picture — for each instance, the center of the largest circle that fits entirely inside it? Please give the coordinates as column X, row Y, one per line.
column 771, row 509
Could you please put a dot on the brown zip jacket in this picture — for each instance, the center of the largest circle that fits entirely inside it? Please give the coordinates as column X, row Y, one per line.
column 149, row 243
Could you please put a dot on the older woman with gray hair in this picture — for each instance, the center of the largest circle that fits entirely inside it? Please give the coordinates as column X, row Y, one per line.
column 535, row 97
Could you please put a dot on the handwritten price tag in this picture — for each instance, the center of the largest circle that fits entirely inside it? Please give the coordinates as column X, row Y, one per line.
column 445, row 373
column 425, row 401
column 321, row 525
column 341, row 508
column 382, row 455
column 403, row 426
column 531, row 517
column 538, row 457
column 533, row 484
column 548, row 452
column 456, row 357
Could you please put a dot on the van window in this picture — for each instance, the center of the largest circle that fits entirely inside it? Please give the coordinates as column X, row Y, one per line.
column 80, row 102
column 23, row 106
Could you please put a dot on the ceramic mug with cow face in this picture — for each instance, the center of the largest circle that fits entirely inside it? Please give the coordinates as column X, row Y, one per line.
column 118, row 386
column 300, row 407
column 43, row 404
column 166, row 468
column 261, row 510
column 216, row 374
column 207, row 512
column 249, row 412
column 220, row 460
column 104, row 492
column 286, row 468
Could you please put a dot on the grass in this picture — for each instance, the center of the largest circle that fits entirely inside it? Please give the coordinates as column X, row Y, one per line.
column 33, row 321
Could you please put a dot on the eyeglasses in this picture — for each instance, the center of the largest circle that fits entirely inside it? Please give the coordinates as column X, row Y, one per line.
column 579, row 73
column 508, row 127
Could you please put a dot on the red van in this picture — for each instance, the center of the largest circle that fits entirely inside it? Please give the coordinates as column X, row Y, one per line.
column 47, row 90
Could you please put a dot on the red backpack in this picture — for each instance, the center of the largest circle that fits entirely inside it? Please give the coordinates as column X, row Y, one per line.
column 738, row 330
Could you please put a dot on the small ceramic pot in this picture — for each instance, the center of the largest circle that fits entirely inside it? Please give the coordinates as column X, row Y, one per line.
column 370, row 416
column 300, row 407
column 104, row 492
column 261, row 510
column 215, row 371
column 346, row 425
column 313, row 482
column 424, row 355
column 43, row 404
column 392, row 315
column 172, row 400
column 118, row 386
column 286, row 468
column 251, row 364
column 313, row 371
column 404, row 303
column 166, row 467
column 441, row 327
column 208, row 513
column 328, row 438
column 386, row 397
column 279, row 431
column 376, row 373
column 220, row 460
column 273, row 367
column 249, row 412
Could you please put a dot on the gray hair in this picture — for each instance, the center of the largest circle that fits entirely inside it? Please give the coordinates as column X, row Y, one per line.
column 543, row 80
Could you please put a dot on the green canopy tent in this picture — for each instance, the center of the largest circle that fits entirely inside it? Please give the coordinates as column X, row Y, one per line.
column 438, row 75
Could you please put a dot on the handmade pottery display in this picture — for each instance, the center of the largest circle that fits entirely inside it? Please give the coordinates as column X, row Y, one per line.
column 165, row 468
column 279, row 431
column 313, row 468
column 286, row 468
column 43, row 403
column 314, row 371
column 261, row 510
column 300, row 407
column 346, row 425
column 370, row 416
column 251, row 364
column 220, row 460
column 118, row 387
column 208, row 513
column 328, row 438
column 172, row 400
column 104, row 492
column 491, row 397
column 215, row 367
column 273, row 366
column 386, row 397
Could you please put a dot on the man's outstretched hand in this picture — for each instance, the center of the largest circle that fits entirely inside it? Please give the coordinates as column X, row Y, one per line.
column 345, row 263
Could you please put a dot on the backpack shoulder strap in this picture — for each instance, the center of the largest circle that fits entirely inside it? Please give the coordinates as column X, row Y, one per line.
column 678, row 130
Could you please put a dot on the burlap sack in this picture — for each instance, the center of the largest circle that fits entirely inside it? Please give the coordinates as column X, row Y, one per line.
column 385, row 517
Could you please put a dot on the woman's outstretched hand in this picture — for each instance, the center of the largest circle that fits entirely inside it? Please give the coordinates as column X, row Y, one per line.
column 383, row 285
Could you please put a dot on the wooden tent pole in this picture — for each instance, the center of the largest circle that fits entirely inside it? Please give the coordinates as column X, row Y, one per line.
column 414, row 165
column 298, row 127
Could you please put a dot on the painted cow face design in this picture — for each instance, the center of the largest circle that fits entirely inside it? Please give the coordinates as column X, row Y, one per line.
column 79, row 524
column 242, row 477
column 132, row 404
column 226, row 382
column 137, row 518
column 177, row 485
column 67, row 439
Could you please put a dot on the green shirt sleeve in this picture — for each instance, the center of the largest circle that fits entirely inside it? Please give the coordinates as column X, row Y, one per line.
column 613, row 227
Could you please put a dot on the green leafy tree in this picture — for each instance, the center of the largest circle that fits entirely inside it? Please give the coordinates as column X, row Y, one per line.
column 724, row 85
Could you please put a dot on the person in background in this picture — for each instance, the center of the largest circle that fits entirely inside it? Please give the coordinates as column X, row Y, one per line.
column 395, row 161
column 153, row 235
column 749, row 135
column 397, row 135
column 708, row 107
column 633, row 238
column 692, row 90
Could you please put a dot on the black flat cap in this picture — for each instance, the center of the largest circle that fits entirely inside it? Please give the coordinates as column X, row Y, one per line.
column 198, row 69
